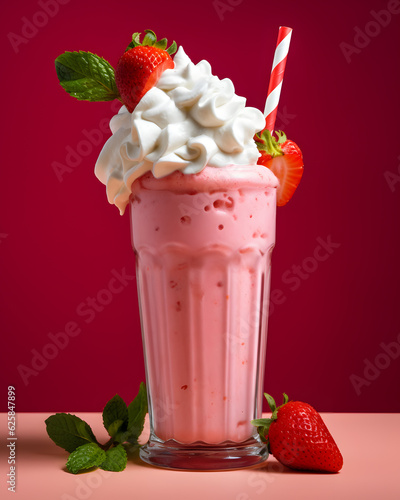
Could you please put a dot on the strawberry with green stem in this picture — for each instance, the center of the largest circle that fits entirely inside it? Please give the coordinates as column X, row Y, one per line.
column 284, row 158
column 89, row 77
column 298, row 437
column 141, row 66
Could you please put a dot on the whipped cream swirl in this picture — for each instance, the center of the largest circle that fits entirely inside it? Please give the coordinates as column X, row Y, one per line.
column 190, row 119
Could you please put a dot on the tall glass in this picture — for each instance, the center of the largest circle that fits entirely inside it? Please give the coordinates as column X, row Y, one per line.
column 203, row 248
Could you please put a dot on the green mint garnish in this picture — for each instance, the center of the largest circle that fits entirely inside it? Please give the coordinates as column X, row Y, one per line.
column 116, row 459
column 89, row 77
column 86, row 76
column 85, row 457
column 69, row 431
column 137, row 411
column 131, row 430
column 115, row 416
column 123, row 423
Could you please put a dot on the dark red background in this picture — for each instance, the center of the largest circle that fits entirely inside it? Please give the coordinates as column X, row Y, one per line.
column 60, row 241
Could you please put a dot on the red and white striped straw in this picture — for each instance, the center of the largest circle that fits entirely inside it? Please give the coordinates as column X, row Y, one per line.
column 275, row 82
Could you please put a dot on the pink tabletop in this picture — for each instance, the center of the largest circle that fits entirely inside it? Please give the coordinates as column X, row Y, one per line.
column 369, row 443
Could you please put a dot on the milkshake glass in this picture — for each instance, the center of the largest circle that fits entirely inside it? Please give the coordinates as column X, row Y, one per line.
column 203, row 246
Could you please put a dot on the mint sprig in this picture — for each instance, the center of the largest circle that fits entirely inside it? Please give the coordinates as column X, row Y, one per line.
column 115, row 415
column 85, row 457
column 69, row 431
column 89, row 77
column 116, row 459
column 123, row 423
column 136, row 413
column 86, row 76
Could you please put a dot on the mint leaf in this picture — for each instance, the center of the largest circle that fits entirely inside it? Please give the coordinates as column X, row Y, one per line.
column 131, row 448
column 116, row 459
column 86, row 456
column 115, row 415
column 137, row 412
column 117, row 428
column 69, row 431
column 86, row 76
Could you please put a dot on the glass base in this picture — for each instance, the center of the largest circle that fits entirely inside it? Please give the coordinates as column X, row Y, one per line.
column 203, row 457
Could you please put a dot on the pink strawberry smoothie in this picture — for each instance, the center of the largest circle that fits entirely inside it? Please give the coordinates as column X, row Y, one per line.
column 203, row 246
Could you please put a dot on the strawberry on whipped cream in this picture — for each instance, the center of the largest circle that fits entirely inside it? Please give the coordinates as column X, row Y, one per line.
column 188, row 120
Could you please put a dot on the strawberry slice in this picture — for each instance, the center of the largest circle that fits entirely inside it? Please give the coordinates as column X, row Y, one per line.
column 141, row 66
column 284, row 158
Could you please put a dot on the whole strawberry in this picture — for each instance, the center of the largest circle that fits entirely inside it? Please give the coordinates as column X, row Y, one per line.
column 141, row 66
column 284, row 158
column 89, row 77
column 298, row 438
